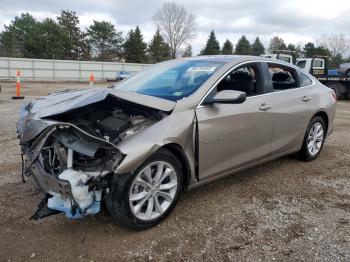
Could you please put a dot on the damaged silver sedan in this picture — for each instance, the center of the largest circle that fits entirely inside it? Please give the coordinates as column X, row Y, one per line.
column 178, row 124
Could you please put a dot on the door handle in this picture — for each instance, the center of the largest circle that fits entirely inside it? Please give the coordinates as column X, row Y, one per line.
column 306, row 99
column 265, row 107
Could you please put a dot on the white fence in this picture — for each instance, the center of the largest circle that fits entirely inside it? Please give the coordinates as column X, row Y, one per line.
column 42, row 69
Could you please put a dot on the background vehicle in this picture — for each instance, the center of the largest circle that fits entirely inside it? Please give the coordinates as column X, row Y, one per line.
column 122, row 75
column 318, row 67
column 344, row 69
column 282, row 57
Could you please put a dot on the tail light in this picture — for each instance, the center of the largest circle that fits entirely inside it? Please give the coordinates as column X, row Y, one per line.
column 334, row 94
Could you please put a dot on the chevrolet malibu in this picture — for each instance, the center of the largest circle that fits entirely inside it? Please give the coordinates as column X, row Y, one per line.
column 174, row 126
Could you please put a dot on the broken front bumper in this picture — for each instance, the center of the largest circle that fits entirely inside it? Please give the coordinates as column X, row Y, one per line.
column 72, row 191
column 60, row 196
column 49, row 183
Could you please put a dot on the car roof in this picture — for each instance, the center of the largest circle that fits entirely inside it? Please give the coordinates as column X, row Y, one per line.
column 225, row 58
column 232, row 60
column 238, row 59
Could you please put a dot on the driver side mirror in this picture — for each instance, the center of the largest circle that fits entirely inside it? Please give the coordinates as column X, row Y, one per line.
column 227, row 97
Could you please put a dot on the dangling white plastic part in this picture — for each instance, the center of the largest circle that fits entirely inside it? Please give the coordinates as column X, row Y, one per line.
column 70, row 158
column 88, row 201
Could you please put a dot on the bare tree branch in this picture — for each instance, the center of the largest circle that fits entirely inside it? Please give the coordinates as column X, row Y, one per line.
column 175, row 24
column 337, row 44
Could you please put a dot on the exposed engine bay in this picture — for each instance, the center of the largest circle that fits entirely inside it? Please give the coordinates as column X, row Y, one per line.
column 73, row 158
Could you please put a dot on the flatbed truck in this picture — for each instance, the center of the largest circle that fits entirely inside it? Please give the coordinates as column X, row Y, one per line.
column 318, row 67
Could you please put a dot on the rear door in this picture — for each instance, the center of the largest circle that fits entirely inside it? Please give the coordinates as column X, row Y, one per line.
column 291, row 95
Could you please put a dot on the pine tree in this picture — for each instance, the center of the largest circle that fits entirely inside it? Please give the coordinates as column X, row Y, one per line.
column 188, row 51
column 158, row 50
column 74, row 39
column 212, row 46
column 257, row 47
column 105, row 40
column 311, row 50
column 50, row 40
column 227, row 48
column 26, row 37
column 243, row 46
column 18, row 38
column 135, row 47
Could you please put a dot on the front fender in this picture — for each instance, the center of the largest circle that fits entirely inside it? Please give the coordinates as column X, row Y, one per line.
column 176, row 128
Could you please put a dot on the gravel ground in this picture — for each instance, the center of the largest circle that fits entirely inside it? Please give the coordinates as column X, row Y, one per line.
column 284, row 210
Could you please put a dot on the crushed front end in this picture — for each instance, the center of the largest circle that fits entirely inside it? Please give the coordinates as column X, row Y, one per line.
column 72, row 155
column 72, row 167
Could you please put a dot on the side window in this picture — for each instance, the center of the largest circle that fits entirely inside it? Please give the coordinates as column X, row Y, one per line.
column 301, row 63
column 304, row 79
column 245, row 79
column 283, row 77
column 317, row 63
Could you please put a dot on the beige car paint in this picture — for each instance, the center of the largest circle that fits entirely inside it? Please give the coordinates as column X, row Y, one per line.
column 290, row 115
column 245, row 134
column 176, row 128
column 232, row 137
column 150, row 101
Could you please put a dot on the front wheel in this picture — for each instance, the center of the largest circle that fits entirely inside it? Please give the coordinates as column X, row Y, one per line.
column 313, row 139
column 142, row 199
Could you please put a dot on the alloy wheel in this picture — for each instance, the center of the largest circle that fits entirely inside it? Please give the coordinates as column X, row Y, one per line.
column 153, row 190
column 315, row 138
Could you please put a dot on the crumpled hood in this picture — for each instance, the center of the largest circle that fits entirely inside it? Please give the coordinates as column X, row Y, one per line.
column 61, row 102
column 31, row 121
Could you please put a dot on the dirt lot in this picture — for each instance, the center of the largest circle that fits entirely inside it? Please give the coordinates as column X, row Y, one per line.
column 285, row 210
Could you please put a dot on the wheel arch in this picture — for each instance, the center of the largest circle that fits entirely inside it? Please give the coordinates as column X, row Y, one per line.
column 180, row 154
column 324, row 117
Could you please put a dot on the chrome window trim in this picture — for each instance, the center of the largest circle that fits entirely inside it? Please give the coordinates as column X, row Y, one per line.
column 277, row 92
column 257, row 61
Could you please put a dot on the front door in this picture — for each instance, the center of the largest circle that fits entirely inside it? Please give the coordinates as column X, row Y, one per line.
column 234, row 135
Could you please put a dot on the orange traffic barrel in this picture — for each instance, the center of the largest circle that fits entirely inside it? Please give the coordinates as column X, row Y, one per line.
column 18, row 86
column 92, row 79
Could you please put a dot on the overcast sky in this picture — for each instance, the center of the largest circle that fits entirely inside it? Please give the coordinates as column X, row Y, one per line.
column 296, row 21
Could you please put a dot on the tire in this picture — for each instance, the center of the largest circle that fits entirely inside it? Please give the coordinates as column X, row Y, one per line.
column 126, row 187
column 308, row 152
column 336, row 88
column 347, row 74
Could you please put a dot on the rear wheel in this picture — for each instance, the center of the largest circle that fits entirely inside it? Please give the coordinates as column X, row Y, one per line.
column 313, row 140
column 143, row 199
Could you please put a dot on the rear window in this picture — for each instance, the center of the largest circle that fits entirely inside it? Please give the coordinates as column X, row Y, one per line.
column 304, row 79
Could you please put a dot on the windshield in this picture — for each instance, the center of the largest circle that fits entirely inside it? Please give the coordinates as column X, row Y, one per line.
column 172, row 80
